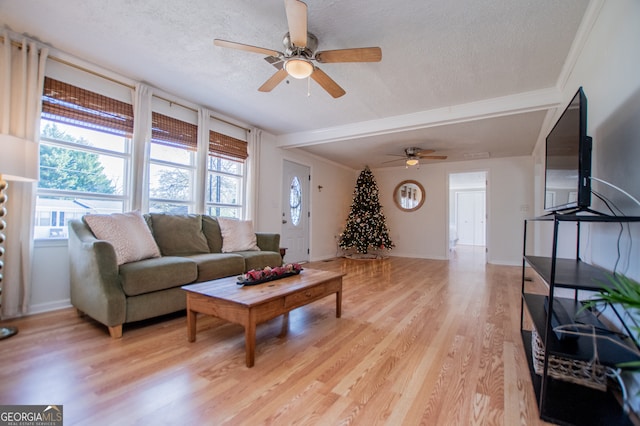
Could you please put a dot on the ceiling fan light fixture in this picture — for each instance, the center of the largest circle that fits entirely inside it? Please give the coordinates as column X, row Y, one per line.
column 298, row 68
column 412, row 161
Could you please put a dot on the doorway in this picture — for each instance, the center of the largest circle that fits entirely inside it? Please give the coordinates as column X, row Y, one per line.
column 467, row 209
column 295, row 212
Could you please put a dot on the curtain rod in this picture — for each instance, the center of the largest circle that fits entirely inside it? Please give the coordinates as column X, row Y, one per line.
column 19, row 45
column 97, row 74
column 62, row 61
column 230, row 123
column 169, row 101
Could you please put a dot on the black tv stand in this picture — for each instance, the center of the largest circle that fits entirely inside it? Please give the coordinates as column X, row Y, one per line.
column 576, row 211
column 561, row 399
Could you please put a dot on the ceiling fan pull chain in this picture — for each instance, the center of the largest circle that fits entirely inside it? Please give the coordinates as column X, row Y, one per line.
column 309, row 87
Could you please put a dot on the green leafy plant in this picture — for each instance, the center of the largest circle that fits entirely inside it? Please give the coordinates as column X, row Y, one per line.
column 623, row 291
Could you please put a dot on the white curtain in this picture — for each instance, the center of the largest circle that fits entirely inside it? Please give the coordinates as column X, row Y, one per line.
column 22, row 64
column 141, row 136
column 253, row 174
column 204, row 125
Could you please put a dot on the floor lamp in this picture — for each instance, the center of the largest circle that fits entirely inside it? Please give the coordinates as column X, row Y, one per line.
column 18, row 162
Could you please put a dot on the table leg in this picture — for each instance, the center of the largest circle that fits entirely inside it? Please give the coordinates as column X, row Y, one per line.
column 285, row 324
column 191, row 325
column 250, row 342
column 339, row 303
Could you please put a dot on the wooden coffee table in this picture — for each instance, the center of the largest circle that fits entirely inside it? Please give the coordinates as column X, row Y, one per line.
column 252, row 305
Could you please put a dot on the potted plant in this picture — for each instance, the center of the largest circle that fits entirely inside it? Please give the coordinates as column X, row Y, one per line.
column 621, row 290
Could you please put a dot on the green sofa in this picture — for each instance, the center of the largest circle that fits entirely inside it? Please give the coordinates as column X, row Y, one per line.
column 191, row 250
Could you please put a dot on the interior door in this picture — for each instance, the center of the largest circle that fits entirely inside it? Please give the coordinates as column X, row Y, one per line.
column 471, row 212
column 295, row 212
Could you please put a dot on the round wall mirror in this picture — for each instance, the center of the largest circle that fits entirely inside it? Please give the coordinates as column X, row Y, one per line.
column 408, row 195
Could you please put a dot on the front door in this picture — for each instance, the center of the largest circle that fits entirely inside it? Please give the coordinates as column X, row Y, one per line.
column 295, row 212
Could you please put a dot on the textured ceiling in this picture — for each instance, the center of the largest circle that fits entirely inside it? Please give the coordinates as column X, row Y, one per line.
column 436, row 57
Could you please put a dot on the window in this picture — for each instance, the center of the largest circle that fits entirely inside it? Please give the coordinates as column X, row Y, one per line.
column 172, row 165
column 295, row 201
column 85, row 151
column 225, row 176
column 87, row 158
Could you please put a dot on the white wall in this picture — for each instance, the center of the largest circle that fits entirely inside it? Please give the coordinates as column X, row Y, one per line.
column 329, row 206
column 608, row 68
column 50, row 288
column 424, row 233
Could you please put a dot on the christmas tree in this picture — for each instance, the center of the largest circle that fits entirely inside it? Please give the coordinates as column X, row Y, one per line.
column 366, row 225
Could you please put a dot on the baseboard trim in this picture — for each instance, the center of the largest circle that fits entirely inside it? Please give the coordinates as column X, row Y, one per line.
column 49, row 306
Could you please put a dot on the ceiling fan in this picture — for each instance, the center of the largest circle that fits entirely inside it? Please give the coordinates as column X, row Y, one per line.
column 413, row 155
column 300, row 52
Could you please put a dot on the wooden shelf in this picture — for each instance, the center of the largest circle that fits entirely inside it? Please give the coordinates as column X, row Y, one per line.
column 570, row 273
column 610, row 352
column 570, row 404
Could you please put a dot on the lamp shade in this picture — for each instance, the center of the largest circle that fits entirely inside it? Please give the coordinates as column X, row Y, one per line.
column 298, row 68
column 19, row 160
column 412, row 161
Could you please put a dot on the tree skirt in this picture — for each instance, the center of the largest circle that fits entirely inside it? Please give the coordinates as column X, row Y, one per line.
column 366, row 256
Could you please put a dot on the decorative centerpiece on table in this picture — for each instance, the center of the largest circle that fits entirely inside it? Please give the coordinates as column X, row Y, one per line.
column 258, row 276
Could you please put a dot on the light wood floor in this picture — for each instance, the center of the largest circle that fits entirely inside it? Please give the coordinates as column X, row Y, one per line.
column 419, row 342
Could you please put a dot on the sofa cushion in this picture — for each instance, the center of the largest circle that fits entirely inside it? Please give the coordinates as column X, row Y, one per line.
column 237, row 235
column 260, row 259
column 179, row 235
column 127, row 232
column 212, row 266
column 149, row 305
column 268, row 242
column 211, row 230
column 157, row 274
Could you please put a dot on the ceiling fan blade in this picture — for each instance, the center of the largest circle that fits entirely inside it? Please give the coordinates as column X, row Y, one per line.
column 425, row 152
column 361, row 54
column 246, row 47
column 433, row 157
column 273, row 81
column 276, row 62
column 327, row 83
column 297, row 20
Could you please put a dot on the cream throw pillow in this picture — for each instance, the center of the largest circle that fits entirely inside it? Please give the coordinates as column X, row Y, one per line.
column 237, row 235
column 127, row 232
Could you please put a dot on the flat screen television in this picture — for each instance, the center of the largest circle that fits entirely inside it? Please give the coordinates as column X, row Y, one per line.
column 568, row 160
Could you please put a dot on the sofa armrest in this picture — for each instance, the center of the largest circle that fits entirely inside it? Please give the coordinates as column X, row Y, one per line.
column 268, row 241
column 94, row 277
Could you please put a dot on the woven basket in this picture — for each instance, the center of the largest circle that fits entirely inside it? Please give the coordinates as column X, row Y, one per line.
column 583, row 373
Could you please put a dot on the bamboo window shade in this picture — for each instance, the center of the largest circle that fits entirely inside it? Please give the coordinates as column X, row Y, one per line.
column 170, row 131
column 66, row 103
column 221, row 145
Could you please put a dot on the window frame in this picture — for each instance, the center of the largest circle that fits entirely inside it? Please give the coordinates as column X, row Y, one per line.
column 240, row 206
column 223, row 147
column 67, row 107
column 172, row 135
column 79, row 110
